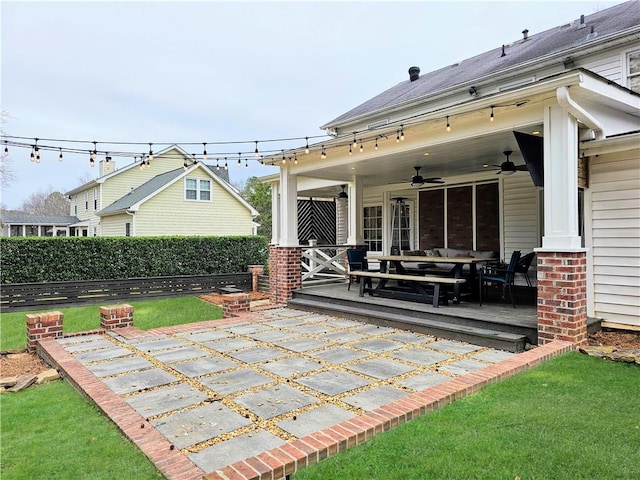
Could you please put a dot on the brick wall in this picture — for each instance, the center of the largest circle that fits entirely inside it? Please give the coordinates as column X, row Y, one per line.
column 116, row 316
column 562, row 297
column 41, row 326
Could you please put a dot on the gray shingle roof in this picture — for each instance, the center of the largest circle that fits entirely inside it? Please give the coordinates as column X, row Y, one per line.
column 554, row 41
column 29, row 219
column 142, row 192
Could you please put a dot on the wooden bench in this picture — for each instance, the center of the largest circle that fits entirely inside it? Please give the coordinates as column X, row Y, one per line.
column 415, row 283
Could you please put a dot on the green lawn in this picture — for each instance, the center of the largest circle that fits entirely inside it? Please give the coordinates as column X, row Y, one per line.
column 575, row 417
column 50, row 431
column 146, row 315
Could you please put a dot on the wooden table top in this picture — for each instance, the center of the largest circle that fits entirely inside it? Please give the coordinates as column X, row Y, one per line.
column 425, row 259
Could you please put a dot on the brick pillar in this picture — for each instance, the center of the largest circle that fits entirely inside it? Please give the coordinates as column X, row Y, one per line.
column 285, row 272
column 234, row 304
column 41, row 326
column 256, row 271
column 116, row 316
column 562, row 297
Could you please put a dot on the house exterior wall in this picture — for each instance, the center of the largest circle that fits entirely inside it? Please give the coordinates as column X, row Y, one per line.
column 115, row 225
column 168, row 211
column 613, row 236
column 521, row 215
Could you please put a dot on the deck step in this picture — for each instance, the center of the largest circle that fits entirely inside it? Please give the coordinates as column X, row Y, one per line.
column 510, row 342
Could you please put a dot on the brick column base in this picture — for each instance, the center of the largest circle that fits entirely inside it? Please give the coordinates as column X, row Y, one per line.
column 234, row 304
column 285, row 272
column 256, row 271
column 562, row 297
column 116, row 316
column 41, row 326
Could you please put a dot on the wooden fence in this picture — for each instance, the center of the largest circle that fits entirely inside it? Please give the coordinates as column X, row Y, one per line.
column 42, row 296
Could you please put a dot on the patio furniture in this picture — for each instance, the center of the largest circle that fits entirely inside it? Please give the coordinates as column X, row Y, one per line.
column 413, row 287
column 357, row 259
column 502, row 276
column 523, row 265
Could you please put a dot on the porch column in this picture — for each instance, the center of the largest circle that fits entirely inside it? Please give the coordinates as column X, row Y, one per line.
column 562, row 275
column 275, row 213
column 356, row 227
column 285, row 257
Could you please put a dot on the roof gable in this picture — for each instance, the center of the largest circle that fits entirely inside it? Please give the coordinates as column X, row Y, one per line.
column 557, row 41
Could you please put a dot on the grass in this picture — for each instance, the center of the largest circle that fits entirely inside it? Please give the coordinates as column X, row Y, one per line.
column 146, row 315
column 50, row 431
column 575, row 417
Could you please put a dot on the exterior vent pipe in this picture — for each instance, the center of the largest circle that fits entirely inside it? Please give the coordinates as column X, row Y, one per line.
column 414, row 73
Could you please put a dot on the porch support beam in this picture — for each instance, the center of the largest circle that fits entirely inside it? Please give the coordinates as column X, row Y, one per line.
column 560, row 180
column 288, row 208
column 356, row 227
column 275, row 213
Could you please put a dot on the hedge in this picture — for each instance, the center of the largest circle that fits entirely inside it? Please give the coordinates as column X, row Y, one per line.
column 39, row 259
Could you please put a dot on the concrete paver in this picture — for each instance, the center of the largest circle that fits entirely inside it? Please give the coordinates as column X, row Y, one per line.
column 223, row 393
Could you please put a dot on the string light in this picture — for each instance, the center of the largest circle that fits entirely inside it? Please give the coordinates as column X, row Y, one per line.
column 246, row 165
column 94, row 154
column 256, row 152
column 32, row 157
column 355, row 142
column 6, row 148
column 323, row 155
column 92, row 162
column 401, row 132
column 217, row 165
column 376, row 147
column 361, row 146
column 284, row 160
column 226, row 165
column 60, row 157
column 306, row 147
column 295, row 158
column 150, row 157
column 239, row 155
column 448, row 124
column 350, row 151
column 491, row 117
column 36, row 151
column 204, row 152
column 397, row 136
column 185, row 165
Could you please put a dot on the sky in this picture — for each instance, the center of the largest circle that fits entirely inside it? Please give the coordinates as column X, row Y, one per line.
column 209, row 71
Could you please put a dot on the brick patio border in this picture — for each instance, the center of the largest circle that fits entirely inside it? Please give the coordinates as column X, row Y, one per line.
column 279, row 462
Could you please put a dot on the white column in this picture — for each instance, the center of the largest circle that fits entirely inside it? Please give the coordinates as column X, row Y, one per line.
column 560, row 179
column 356, row 222
column 342, row 220
column 275, row 213
column 288, row 208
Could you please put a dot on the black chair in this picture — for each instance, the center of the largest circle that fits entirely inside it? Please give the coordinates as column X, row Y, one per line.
column 503, row 276
column 523, row 266
column 357, row 258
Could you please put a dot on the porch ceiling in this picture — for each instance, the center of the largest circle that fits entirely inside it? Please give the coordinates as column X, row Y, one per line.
column 455, row 161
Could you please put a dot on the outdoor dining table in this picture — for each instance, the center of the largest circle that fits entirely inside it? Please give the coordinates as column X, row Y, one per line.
column 456, row 270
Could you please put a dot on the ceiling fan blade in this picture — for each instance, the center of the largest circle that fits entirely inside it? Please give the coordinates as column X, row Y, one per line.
column 522, row 168
column 433, row 180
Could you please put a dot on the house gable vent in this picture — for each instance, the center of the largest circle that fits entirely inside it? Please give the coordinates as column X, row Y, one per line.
column 381, row 123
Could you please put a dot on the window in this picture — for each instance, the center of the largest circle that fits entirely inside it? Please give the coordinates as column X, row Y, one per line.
column 373, row 228
column 633, row 70
column 127, row 229
column 197, row 189
column 75, row 209
column 95, row 199
column 86, row 201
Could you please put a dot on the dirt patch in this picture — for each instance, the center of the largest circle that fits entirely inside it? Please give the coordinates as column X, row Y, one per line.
column 216, row 298
column 619, row 339
column 17, row 364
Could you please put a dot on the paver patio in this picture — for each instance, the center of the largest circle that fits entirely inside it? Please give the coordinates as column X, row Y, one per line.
column 280, row 387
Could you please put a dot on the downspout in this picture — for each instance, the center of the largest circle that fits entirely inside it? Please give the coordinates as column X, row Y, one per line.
column 133, row 221
column 565, row 101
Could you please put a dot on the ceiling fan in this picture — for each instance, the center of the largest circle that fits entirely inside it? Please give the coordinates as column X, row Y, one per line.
column 508, row 167
column 418, row 180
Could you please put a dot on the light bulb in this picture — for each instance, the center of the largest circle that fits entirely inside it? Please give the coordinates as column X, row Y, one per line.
column 60, row 157
column 204, row 152
column 306, row 148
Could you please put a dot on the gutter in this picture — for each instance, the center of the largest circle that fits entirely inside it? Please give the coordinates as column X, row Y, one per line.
column 565, row 101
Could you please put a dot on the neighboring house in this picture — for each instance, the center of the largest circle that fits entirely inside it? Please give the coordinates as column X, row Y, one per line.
column 163, row 198
column 565, row 101
column 27, row 225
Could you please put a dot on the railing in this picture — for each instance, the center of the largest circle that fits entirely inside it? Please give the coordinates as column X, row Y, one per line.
column 324, row 264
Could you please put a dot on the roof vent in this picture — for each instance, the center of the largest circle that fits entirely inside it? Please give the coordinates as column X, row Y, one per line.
column 582, row 24
column 592, row 34
column 414, row 73
column 525, row 34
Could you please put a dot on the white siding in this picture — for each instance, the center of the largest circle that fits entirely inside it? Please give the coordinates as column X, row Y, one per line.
column 114, row 225
column 521, row 215
column 614, row 238
column 608, row 64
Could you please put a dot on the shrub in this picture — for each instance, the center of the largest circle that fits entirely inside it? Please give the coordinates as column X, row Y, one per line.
column 38, row 259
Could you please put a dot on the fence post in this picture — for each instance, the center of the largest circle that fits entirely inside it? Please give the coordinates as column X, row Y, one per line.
column 116, row 316
column 256, row 271
column 41, row 326
column 234, row 304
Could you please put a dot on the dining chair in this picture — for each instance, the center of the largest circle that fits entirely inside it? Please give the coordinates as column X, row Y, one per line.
column 357, row 258
column 503, row 276
column 523, row 266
